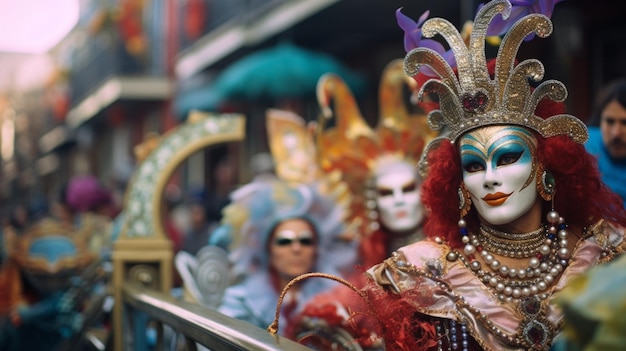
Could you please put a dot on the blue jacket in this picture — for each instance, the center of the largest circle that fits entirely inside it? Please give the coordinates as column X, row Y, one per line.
column 613, row 171
column 254, row 299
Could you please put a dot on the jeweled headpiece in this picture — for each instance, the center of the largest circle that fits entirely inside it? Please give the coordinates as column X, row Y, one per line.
column 473, row 98
column 50, row 252
column 354, row 152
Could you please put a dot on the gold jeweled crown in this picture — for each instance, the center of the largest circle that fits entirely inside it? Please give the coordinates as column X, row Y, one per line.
column 474, row 99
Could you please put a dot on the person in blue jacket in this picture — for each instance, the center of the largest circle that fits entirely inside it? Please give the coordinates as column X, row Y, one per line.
column 607, row 136
column 282, row 237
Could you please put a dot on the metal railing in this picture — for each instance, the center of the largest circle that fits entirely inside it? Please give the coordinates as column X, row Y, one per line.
column 188, row 326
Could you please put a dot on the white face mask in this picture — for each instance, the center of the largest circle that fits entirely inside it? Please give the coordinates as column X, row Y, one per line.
column 398, row 199
column 499, row 171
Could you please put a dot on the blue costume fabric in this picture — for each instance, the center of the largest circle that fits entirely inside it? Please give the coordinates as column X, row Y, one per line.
column 613, row 171
column 254, row 300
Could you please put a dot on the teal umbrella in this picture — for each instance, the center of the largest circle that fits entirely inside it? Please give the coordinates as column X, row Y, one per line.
column 283, row 71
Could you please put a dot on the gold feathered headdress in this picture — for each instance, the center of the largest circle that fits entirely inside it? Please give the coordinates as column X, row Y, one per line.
column 472, row 98
column 354, row 152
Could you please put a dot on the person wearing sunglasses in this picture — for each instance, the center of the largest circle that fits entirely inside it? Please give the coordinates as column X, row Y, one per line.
column 292, row 250
column 279, row 240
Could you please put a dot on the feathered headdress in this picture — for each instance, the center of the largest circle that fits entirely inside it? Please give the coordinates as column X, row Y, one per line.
column 354, row 152
column 471, row 98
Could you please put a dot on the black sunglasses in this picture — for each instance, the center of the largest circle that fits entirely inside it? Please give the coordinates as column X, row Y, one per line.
column 289, row 241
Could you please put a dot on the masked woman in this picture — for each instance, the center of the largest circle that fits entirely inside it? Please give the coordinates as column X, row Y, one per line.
column 377, row 165
column 517, row 208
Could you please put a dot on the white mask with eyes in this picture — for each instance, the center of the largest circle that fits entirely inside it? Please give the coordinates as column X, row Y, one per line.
column 499, row 171
column 398, row 197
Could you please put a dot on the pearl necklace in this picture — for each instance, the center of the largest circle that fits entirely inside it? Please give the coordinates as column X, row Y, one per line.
column 548, row 261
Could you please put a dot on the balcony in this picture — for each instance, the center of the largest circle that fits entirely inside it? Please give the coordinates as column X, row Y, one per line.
column 105, row 70
column 232, row 25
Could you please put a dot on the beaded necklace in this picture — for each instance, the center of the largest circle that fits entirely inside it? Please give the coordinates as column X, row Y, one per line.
column 546, row 249
column 501, row 243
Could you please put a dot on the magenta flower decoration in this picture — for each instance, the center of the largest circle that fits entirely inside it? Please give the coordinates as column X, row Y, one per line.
column 413, row 39
column 519, row 9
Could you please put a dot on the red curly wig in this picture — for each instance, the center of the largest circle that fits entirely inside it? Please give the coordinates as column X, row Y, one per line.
column 581, row 196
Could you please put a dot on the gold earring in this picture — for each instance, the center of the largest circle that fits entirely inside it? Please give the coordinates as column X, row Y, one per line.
column 546, row 185
column 465, row 202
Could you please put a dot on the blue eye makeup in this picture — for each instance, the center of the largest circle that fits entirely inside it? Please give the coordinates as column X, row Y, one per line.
column 512, row 151
column 504, row 147
column 472, row 162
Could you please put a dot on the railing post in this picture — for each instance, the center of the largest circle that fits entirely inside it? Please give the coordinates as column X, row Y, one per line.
column 148, row 261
